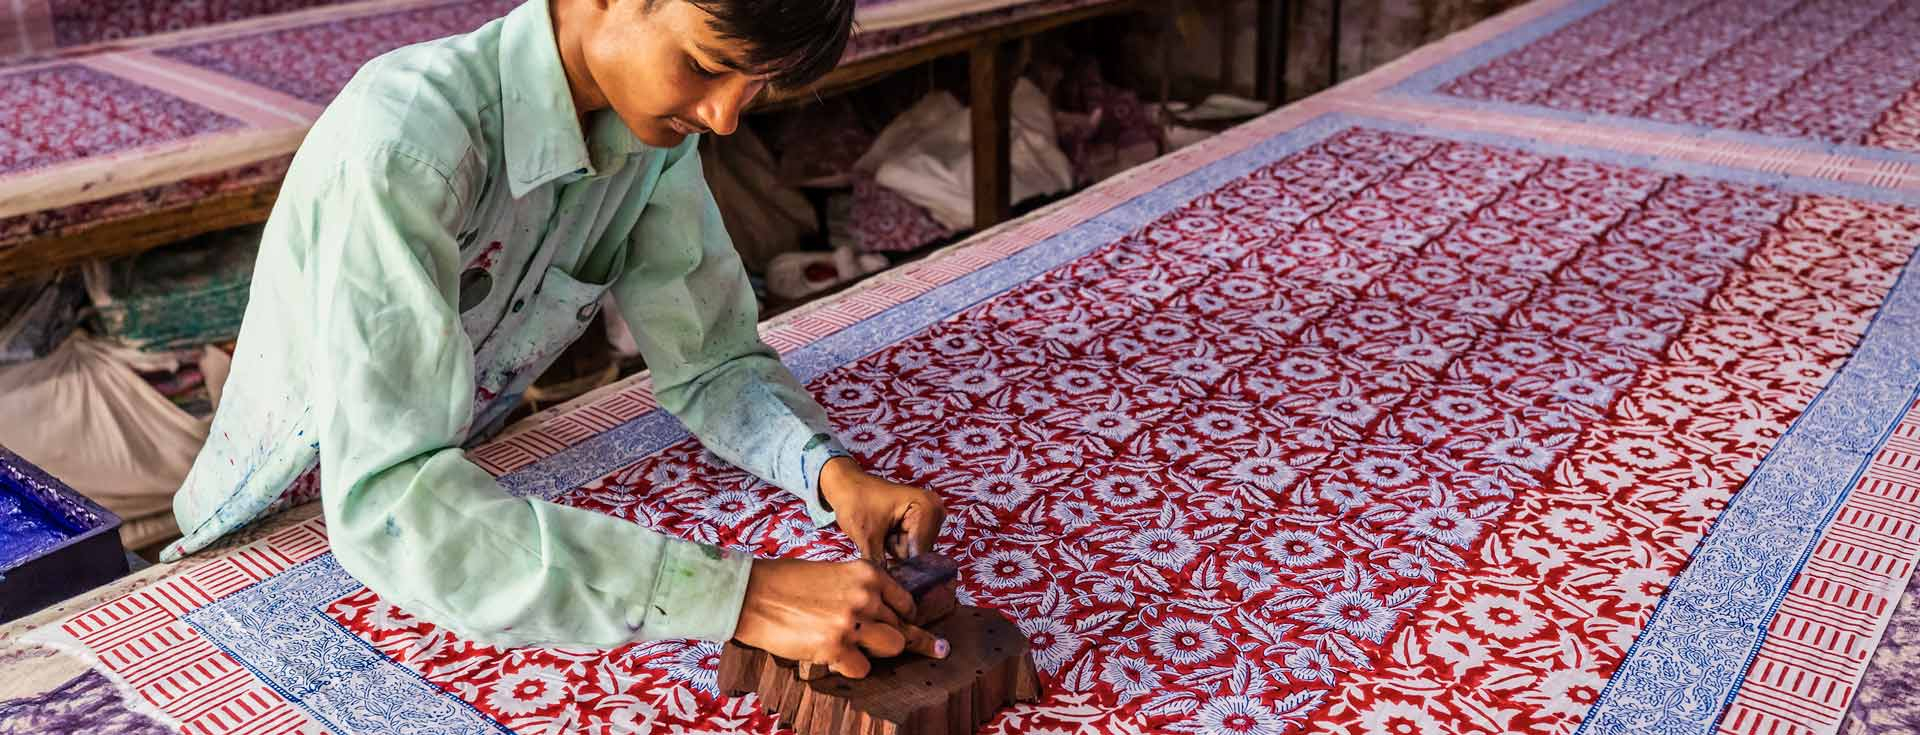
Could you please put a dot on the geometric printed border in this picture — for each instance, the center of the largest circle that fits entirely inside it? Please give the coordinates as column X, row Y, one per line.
column 1687, row 664
column 1823, row 635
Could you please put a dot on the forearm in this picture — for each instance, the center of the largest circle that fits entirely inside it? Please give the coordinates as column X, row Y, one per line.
column 438, row 537
column 751, row 412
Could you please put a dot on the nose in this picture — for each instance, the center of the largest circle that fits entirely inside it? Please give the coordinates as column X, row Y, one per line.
column 720, row 111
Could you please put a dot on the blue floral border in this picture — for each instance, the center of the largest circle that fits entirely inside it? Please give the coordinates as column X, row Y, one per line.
column 278, row 630
column 1688, row 663
column 1423, row 87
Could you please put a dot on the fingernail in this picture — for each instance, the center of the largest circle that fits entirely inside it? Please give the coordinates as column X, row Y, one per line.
column 941, row 648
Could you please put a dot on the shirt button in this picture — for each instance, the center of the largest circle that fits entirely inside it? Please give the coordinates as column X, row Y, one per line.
column 586, row 312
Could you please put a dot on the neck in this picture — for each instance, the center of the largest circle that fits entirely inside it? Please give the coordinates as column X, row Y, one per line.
column 572, row 19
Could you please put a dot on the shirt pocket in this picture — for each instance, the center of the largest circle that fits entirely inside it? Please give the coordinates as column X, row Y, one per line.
column 557, row 314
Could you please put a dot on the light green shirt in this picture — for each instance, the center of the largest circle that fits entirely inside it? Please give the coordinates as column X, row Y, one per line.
column 443, row 233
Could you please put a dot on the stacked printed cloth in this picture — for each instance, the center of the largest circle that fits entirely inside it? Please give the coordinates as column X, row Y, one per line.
column 1400, row 410
column 109, row 111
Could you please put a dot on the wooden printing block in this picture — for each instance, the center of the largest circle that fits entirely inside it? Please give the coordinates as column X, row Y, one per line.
column 932, row 579
column 988, row 670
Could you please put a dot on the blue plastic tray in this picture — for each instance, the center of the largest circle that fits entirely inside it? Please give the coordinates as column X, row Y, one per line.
column 54, row 543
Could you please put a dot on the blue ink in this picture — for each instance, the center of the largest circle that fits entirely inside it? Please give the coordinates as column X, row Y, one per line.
column 26, row 528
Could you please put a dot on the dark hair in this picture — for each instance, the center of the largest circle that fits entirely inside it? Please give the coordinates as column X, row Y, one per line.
column 795, row 42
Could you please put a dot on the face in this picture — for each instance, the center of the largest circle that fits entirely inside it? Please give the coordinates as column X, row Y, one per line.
column 666, row 72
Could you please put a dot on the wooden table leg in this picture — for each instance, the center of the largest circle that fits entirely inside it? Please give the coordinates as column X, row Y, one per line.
column 1333, row 48
column 1229, row 51
column 1270, row 52
column 992, row 74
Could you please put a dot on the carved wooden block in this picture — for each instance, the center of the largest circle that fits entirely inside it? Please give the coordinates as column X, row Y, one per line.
column 988, row 670
column 931, row 579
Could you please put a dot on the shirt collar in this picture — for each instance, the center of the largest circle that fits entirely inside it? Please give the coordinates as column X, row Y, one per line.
column 542, row 132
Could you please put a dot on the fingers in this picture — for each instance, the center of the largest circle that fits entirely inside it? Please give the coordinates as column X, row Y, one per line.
column 897, row 545
column 879, row 641
column 919, row 641
column 872, row 640
column 875, row 596
column 897, row 598
column 873, row 545
column 887, row 641
column 847, row 661
column 922, row 524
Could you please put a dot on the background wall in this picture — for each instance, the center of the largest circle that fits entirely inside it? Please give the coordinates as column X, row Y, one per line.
column 1373, row 32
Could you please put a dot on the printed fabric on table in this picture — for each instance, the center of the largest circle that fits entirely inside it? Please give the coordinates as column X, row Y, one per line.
column 1368, row 428
column 1835, row 75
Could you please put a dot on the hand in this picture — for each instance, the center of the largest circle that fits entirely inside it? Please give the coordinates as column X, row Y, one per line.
column 882, row 517
column 833, row 613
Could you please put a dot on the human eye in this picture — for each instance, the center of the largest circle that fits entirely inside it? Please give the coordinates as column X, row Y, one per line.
column 694, row 65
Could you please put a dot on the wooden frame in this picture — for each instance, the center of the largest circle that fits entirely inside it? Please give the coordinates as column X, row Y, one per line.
column 76, row 244
column 1333, row 47
column 991, row 71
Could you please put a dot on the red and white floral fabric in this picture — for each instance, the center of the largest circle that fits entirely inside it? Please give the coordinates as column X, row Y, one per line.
column 1396, row 432
column 1405, row 429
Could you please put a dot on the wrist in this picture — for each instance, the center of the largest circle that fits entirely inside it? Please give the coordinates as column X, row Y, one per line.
column 837, row 478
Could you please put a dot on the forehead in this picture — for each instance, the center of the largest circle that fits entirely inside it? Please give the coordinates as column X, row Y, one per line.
column 686, row 20
column 694, row 28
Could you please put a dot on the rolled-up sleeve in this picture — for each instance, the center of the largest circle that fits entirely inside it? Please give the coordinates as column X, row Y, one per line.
column 693, row 314
column 408, row 515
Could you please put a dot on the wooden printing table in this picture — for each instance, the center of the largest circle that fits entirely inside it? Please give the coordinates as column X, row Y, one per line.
column 989, row 47
column 250, row 202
